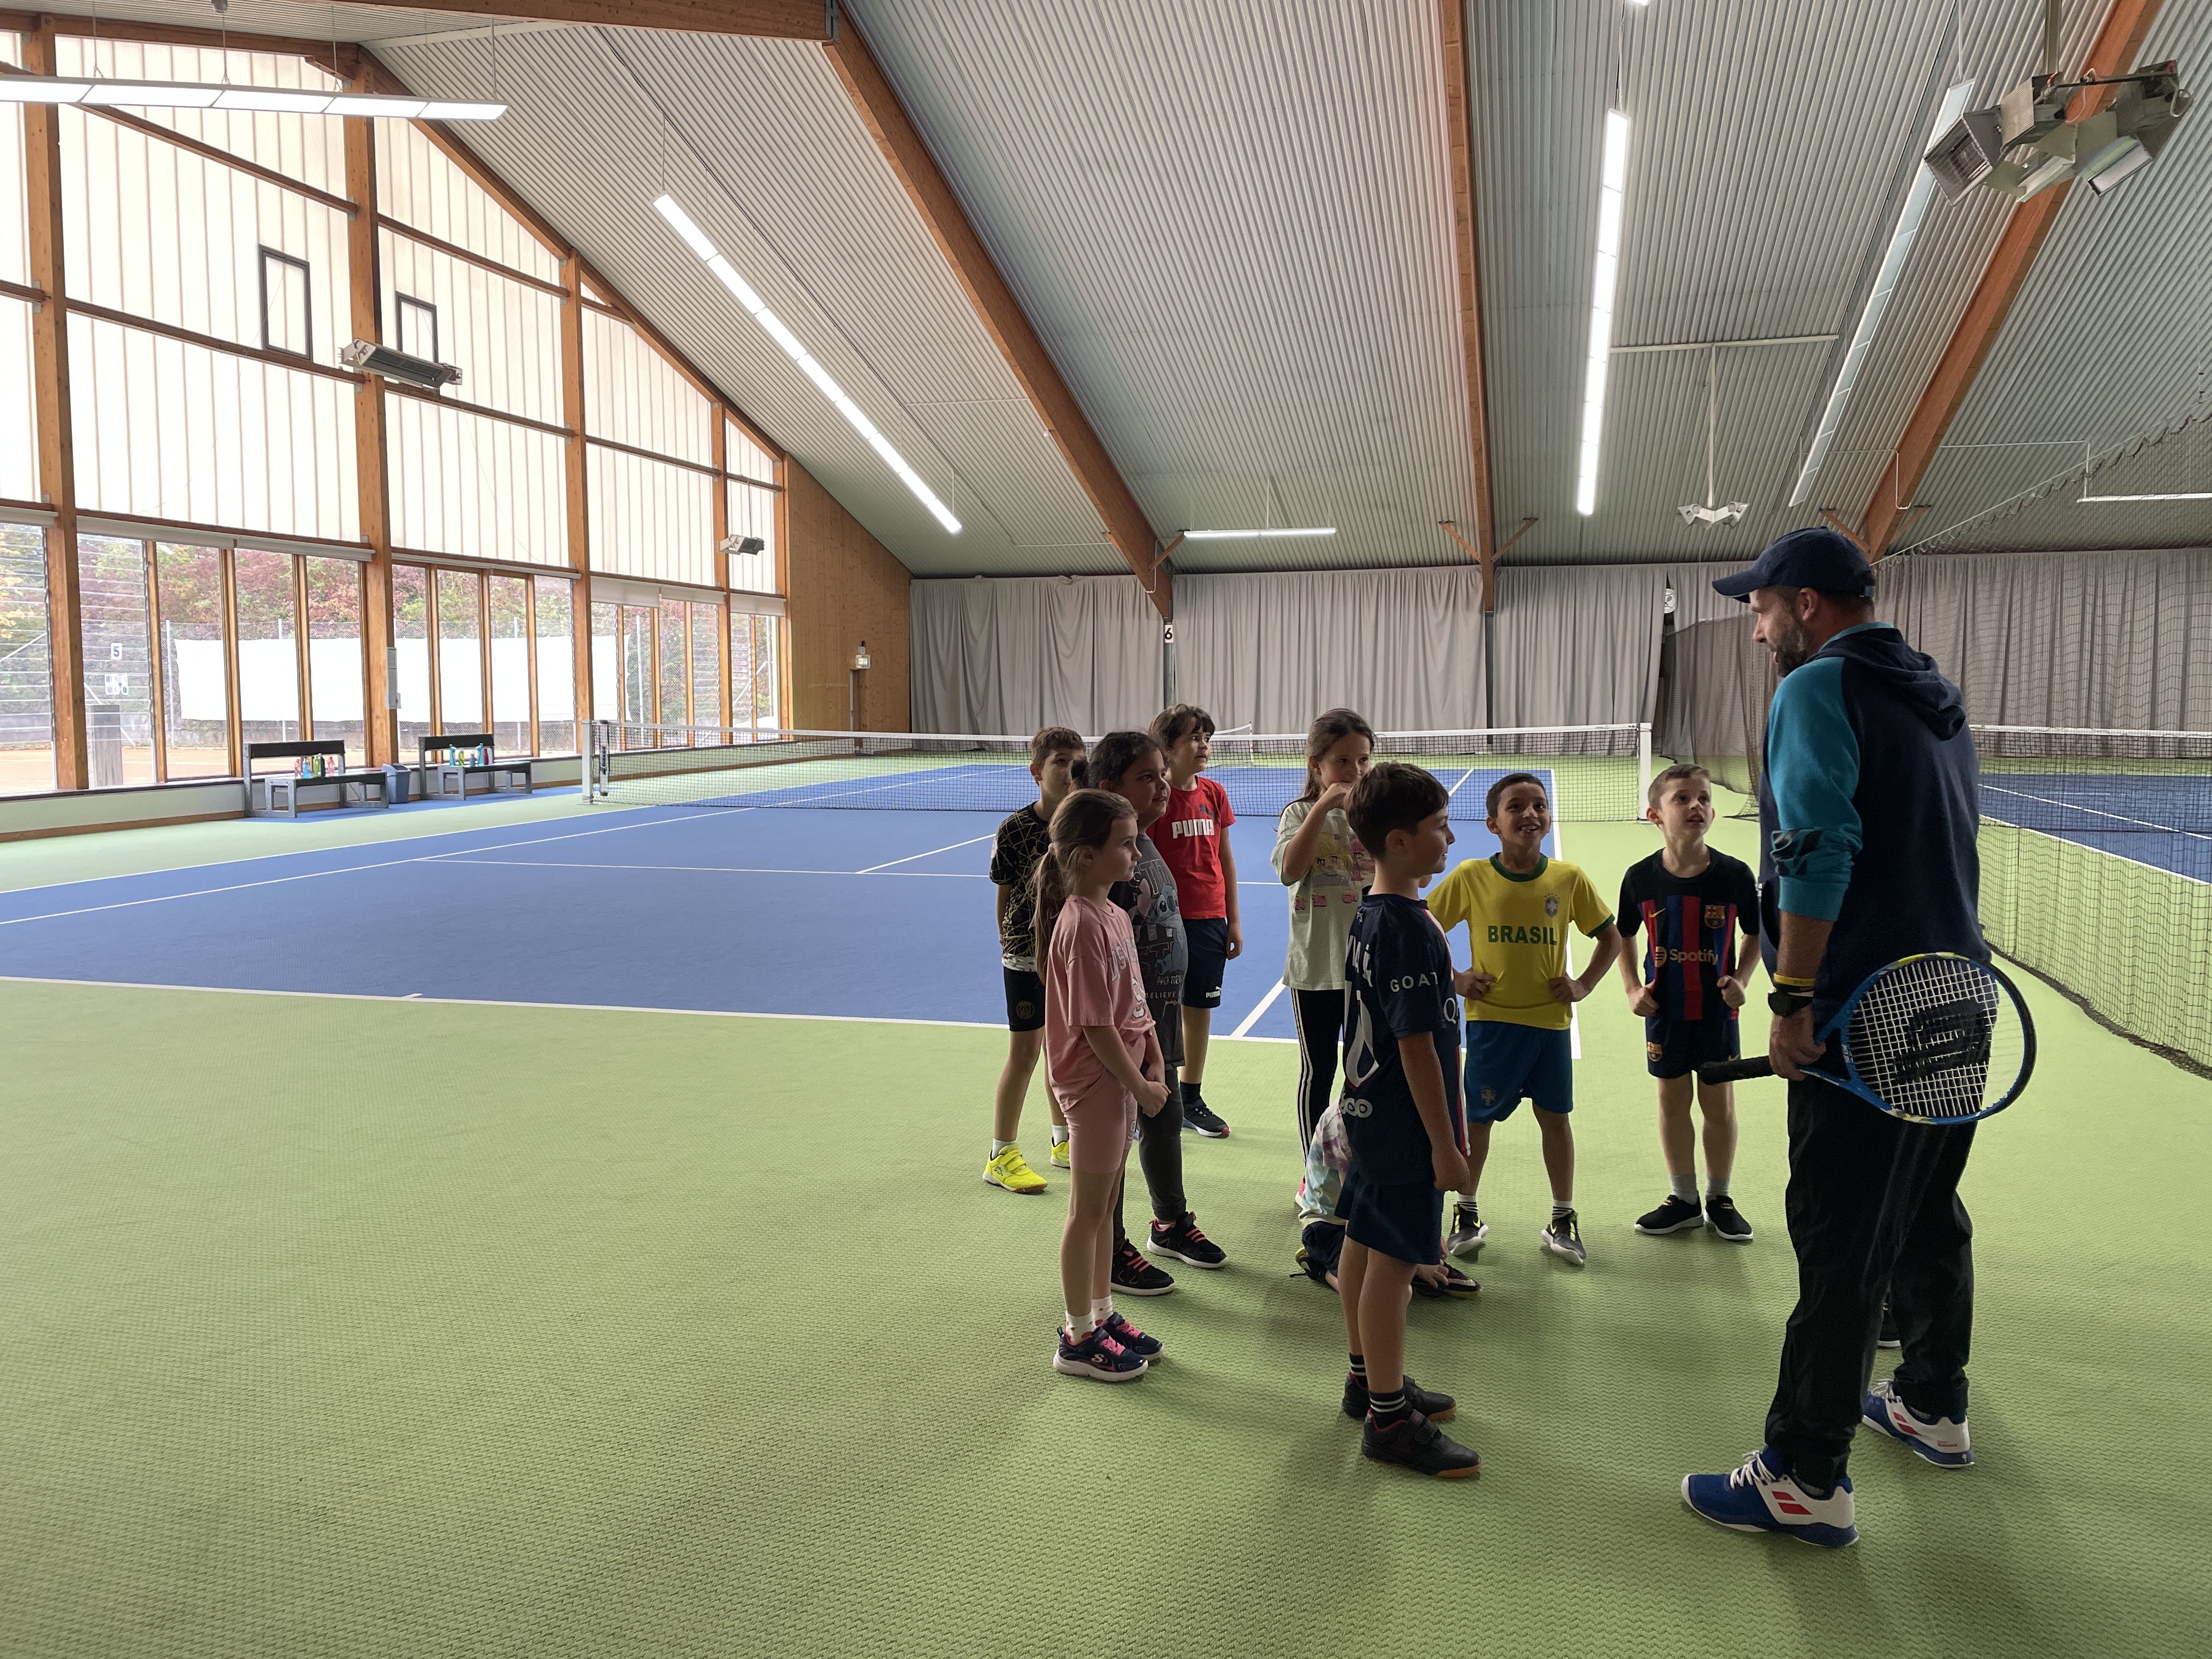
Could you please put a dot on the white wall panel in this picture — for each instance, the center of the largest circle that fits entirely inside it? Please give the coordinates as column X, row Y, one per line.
column 504, row 337
column 308, row 148
column 651, row 520
column 474, row 487
column 162, row 233
column 19, row 424
column 631, row 395
column 753, row 513
column 167, row 431
column 418, row 186
column 15, row 226
column 742, row 456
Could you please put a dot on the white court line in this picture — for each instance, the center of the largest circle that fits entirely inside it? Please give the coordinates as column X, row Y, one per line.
column 2077, row 806
column 1463, row 777
column 716, row 869
column 933, row 852
column 1266, row 1003
column 312, row 875
column 496, row 1002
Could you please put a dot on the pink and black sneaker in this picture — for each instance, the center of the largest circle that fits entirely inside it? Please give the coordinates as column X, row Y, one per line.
column 1097, row 1356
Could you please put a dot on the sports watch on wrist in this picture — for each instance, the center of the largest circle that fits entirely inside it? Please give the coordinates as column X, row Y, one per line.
column 1786, row 1003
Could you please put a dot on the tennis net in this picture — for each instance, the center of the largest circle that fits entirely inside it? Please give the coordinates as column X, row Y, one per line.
column 1593, row 772
column 2097, row 872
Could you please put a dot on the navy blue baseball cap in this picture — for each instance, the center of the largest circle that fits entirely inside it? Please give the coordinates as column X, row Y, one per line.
column 1817, row 557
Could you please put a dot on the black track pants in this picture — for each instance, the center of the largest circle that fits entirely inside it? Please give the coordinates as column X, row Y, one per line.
column 1159, row 1153
column 1873, row 1203
column 1319, row 1015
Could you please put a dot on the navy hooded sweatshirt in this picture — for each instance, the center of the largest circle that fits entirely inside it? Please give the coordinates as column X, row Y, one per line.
column 1868, row 807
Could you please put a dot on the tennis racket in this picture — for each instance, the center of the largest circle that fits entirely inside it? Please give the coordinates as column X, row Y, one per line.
column 1939, row 1038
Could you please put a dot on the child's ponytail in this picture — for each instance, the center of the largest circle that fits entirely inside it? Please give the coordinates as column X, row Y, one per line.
column 1085, row 818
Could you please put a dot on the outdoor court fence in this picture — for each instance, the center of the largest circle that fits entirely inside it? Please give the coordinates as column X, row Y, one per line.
column 1593, row 772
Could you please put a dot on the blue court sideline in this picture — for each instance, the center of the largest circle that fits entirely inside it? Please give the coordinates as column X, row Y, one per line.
column 873, row 914
column 2159, row 820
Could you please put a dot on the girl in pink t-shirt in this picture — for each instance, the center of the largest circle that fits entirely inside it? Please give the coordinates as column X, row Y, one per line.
column 1104, row 1063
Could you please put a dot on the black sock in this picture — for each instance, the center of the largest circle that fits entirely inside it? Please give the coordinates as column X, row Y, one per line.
column 1359, row 1369
column 1388, row 1408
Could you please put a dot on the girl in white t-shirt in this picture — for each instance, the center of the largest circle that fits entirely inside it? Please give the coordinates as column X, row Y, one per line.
column 1328, row 871
column 1103, row 1062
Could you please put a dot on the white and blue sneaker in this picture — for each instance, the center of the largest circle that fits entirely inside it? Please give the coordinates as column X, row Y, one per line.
column 1760, row 1498
column 1938, row 1439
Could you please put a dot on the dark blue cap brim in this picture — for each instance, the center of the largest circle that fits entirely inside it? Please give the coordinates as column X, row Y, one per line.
column 1737, row 586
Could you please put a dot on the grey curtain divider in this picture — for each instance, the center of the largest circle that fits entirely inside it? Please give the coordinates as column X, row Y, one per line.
column 1577, row 645
column 1013, row 654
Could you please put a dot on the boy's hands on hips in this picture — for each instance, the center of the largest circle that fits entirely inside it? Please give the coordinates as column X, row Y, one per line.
column 1641, row 1000
column 1449, row 1165
column 1565, row 987
column 1473, row 983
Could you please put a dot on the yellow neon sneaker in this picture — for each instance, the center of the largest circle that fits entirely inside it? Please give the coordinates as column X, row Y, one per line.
column 1060, row 1155
column 1011, row 1170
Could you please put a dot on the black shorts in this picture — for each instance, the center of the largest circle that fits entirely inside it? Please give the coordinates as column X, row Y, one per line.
column 1401, row 1219
column 1209, row 955
column 1024, row 1000
column 1678, row 1047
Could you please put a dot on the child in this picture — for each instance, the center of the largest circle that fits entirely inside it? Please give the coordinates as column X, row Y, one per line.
column 1021, row 843
column 1321, row 1223
column 1700, row 910
column 1130, row 765
column 1402, row 1114
column 1327, row 870
column 1196, row 848
column 1103, row 1064
column 1520, row 997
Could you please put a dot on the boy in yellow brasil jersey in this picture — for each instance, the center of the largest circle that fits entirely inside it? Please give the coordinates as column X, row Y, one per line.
column 1517, row 905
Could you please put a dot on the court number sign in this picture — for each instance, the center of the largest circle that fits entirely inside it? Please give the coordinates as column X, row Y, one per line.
column 1167, row 632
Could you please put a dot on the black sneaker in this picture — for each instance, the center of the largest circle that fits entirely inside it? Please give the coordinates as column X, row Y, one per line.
column 1564, row 1239
column 1725, row 1219
column 1437, row 1408
column 1888, row 1337
column 1203, row 1118
column 1468, row 1231
column 1134, row 1274
column 1414, row 1442
column 1676, row 1215
column 1182, row 1240
column 1454, row 1286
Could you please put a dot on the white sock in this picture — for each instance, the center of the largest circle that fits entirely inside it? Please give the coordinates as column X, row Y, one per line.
column 1685, row 1188
column 1060, row 1134
column 1102, row 1309
column 1717, row 1188
column 998, row 1146
column 1078, row 1326
column 1562, row 1206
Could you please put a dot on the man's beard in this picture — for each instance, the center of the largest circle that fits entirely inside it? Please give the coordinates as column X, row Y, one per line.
column 1791, row 649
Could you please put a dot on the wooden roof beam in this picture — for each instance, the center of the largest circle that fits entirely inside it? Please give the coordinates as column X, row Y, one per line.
column 894, row 131
column 2119, row 42
column 1459, row 134
column 773, row 20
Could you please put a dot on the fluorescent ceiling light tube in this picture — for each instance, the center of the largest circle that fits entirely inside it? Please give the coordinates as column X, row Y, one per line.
column 687, row 229
column 397, row 109
column 462, row 110
column 281, row 100
column 1613, row 189
column 1247, row 535
column 140, row 94
column 41, row 90
column 1917, row 202
column 2176, row 496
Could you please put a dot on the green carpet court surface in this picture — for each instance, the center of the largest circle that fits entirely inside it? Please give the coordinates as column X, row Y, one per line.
column 356, row 1326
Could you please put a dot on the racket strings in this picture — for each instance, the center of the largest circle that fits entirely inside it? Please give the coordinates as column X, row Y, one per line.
column 1938, row 1038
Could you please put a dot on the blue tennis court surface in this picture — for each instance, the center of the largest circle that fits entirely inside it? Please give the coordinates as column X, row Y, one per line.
column 2164, row 820
column 876, row 914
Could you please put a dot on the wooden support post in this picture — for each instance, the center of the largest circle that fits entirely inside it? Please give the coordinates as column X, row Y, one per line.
column 50, row 371
column 372, row 464
column 1488, row 563
column 1459, row 135
column 721, row 454
column 580, row 523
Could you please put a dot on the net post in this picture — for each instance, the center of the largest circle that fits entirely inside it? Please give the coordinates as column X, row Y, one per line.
column 590, row 729
column 1643, row 761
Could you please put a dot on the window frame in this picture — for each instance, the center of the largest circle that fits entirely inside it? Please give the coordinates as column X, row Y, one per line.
column 399, row 304
column 306, row 354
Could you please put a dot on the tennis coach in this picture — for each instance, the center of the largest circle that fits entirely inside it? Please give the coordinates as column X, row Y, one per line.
column 1868, row 810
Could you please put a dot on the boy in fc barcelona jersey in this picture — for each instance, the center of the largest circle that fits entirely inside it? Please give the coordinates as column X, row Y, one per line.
column 1699, row 912
column 1517, row 905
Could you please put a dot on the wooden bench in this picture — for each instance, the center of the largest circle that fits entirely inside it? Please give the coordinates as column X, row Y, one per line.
column 436, row 774
column 288, row 785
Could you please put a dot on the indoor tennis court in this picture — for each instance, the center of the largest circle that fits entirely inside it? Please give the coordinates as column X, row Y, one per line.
column 587, row 597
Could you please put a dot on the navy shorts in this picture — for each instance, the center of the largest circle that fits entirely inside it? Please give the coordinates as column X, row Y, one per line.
column 1676, row 1047
column 1508, row 1063
column 1401, row 1219
column 1024, row 1000
column 1209, row 955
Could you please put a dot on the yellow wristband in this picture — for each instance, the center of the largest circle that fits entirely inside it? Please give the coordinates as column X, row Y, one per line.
column 1787, row 982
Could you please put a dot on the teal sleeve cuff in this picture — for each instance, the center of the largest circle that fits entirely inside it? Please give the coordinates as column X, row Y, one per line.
column 1816, row 900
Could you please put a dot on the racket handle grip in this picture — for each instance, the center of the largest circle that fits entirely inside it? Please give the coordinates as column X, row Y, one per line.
column 1736, row 1070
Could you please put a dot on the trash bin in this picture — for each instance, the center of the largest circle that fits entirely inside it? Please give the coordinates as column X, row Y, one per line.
column 396, row 784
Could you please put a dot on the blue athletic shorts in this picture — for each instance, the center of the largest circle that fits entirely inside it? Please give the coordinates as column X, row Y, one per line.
column 1675, row 1047
column 1208, row 937
column 1401, row 1219
column 1508, row 1063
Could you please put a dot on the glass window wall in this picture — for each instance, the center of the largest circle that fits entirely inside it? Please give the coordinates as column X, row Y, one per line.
column 195, row 663
column 556, row 667
column 116, row 627
column 460, row 652
column 268, row 646
column 508, row 606
column 27, row 679
column 337, row 686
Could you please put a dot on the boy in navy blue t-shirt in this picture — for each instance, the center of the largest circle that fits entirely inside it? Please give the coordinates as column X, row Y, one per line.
column 1402, row 1114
